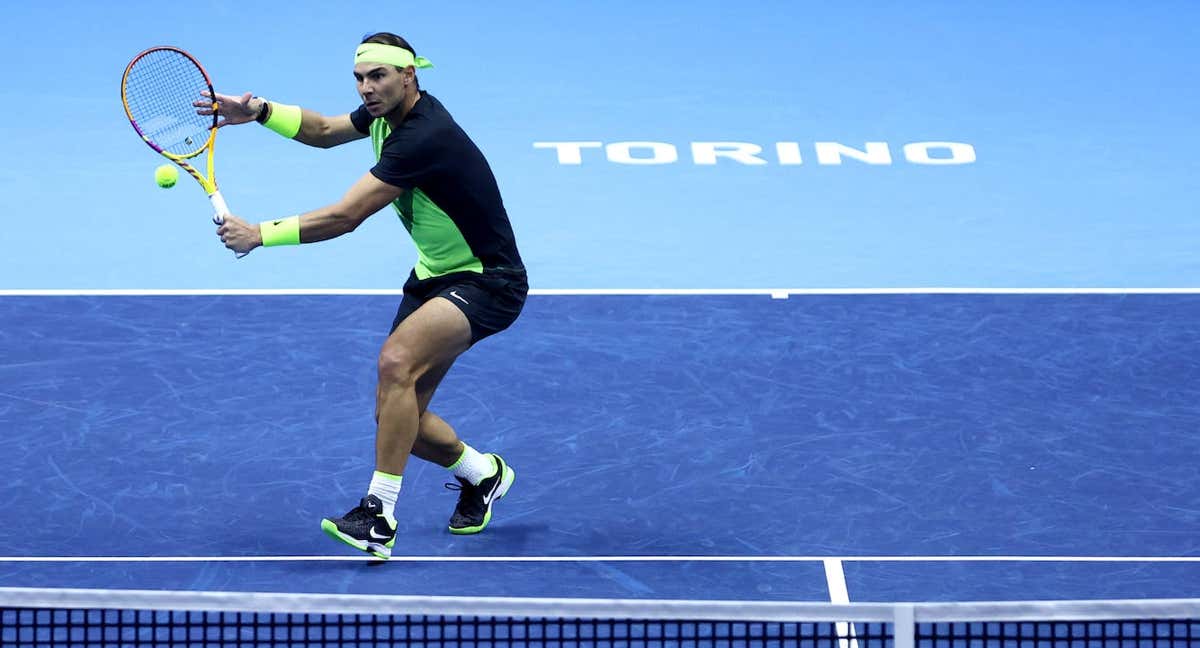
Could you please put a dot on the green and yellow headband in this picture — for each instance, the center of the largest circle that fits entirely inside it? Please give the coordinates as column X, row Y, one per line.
column 389, row 55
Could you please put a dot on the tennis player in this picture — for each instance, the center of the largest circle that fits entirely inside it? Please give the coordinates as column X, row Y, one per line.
column 468, row 282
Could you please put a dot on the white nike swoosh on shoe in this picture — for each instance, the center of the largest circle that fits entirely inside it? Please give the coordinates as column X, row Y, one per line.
column 487, row 499
column 371, row 532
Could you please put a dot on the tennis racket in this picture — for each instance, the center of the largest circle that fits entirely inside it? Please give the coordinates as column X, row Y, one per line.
column 157, row 89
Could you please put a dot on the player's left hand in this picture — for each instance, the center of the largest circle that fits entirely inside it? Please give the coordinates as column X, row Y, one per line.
column 238, row 235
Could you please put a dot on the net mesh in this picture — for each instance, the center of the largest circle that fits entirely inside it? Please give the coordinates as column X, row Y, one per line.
column 159, row 89
column 114, row 618
column 1115, row 633
column 160, row 628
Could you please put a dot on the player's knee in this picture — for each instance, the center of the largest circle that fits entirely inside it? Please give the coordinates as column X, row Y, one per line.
column 398, row 367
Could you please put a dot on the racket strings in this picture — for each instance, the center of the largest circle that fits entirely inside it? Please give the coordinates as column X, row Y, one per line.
column 159, row 91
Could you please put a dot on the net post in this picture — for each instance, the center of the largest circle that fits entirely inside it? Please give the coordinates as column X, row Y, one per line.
column 904, row 629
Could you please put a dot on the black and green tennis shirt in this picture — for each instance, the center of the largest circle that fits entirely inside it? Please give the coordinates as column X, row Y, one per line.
column 452, row 206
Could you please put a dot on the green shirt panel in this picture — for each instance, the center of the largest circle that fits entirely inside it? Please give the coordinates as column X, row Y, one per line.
column 441, row 246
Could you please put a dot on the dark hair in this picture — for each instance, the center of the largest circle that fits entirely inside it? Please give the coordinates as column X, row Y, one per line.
column 388, row 38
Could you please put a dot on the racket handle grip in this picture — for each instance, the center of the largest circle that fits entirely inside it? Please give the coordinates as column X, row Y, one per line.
column 222, row 210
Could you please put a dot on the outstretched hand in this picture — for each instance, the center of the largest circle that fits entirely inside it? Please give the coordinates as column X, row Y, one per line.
column 232, row 109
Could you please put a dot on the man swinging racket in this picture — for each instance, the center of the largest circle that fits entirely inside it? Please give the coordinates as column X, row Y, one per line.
column 468, row 283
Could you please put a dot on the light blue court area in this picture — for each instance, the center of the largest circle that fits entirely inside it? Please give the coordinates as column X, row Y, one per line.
column 772, row 145
column 667, row 446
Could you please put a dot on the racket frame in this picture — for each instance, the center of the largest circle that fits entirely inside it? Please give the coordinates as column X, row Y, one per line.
column 208, row 180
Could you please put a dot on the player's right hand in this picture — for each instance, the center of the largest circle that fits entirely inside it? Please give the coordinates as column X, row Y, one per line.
column 232, row 110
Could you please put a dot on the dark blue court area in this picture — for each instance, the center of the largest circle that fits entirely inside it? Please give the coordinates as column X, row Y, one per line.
column 212, row 428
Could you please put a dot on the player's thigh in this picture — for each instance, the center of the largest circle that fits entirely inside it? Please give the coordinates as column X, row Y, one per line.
column 429, row 338
column 426, row 387
column 491, row 302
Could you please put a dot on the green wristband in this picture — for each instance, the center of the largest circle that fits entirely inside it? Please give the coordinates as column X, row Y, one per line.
column 285, row 231
column 284, row 119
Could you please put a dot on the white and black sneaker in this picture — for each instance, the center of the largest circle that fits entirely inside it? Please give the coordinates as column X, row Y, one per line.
column 474, row 509
column 365, row 528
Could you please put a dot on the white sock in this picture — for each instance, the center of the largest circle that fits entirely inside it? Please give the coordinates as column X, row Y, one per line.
column 387, row 488
column 472, row 466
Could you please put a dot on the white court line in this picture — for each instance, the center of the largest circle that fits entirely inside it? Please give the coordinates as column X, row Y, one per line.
column 839, row 594
column 775, row 293
column 825, row 560
column 835, row 577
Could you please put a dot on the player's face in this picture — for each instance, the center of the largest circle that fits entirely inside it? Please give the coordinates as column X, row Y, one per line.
column 382, row 87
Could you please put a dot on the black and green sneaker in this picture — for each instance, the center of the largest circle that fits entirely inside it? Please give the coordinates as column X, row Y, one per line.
column 365, row 528
column 474, row 509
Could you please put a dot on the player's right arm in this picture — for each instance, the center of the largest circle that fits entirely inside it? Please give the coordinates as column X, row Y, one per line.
column 315, row 129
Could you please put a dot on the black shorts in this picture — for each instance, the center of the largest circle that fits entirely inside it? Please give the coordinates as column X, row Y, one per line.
column 491, row 301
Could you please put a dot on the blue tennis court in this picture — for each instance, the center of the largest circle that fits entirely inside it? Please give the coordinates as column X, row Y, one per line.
column 934, row 447
column 890, row 307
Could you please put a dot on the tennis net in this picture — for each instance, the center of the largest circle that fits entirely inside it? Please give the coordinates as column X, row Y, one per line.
column 78, row 617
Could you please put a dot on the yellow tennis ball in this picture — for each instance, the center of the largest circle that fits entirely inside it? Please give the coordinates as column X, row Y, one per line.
column 166, row 176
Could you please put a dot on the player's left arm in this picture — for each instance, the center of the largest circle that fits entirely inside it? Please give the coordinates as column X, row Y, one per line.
column 367, row 196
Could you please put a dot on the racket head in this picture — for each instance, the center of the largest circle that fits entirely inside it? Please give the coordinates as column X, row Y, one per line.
column 157, row 91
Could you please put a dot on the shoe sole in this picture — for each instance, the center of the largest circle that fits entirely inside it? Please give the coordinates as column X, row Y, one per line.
column 374, row 548
column 506, row 482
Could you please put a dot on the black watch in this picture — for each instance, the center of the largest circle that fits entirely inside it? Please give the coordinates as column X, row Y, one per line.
column 263, row 112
